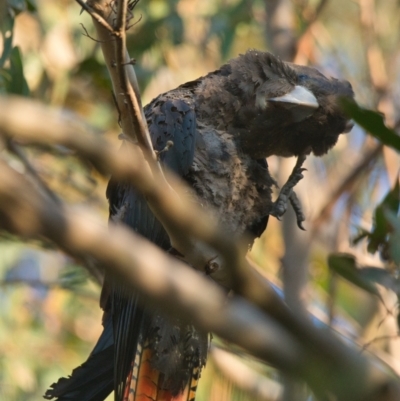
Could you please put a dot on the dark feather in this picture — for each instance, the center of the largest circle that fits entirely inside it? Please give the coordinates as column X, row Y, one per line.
column 93, row 380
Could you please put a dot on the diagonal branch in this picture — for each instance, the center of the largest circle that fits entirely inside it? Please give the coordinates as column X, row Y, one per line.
column 95, row 15
column 239, row 374
column 17, row 150
column 336, row 363
column 121, row 71
column 161, row 279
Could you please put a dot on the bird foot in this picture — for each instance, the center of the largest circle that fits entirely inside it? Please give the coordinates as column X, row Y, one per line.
column 287, row 195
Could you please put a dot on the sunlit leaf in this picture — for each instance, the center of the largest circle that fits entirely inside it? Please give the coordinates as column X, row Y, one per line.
column 360, row 236
column 381, row 276
column 373, row 123
column 31, row 5
column 224, row 23
column 394, row 240
column 73, row 276
column 382, row 229
column 17, row 84
column 175, row 28
column 6, row 27
column 17, row 5
column 345, row 265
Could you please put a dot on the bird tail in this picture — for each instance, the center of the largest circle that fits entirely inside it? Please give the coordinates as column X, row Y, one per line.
column 145, row 383
column 93, row 380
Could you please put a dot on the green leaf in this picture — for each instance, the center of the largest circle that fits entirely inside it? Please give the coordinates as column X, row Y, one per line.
column 381, row 276
column 31, row 5
column 17, row 84
column 73, row 276
column 382, row 229
column 398, row 317
column 394, row 240
column 7, row 29
column 175, row 28
column 17, row 5
column 224, row 23
column 360, row 236
column 345, row 265
column 372, row 122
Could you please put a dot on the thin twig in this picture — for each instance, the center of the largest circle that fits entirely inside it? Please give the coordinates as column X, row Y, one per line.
column 349, row 181
column 17, row 151
column 375, row 61
column 121, row 20
column 135, row 23
column 314, row 16
column 88, row 35
column 96, row 16
column 346, row 184
column 123, row 76
column 380, row 338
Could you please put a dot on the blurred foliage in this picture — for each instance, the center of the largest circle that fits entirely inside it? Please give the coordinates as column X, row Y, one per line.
column 372, row 122
column 50, row 317
column 379, row 237
column 384, row 236
column 345, row 265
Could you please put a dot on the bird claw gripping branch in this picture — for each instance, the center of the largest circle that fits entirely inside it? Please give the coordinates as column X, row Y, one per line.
column 287, row 195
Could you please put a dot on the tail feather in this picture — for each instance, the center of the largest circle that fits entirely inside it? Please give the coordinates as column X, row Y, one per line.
column 147, row 379
column 146, row 384
column 142, row 381
column 93, row 380
column 194, row 381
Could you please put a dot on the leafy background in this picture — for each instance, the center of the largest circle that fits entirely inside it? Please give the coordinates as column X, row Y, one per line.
column 49, row 315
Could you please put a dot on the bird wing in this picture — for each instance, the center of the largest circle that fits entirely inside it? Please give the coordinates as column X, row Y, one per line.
column 168, row 120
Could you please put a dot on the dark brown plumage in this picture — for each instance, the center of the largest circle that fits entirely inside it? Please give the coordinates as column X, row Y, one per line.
column 223, row 126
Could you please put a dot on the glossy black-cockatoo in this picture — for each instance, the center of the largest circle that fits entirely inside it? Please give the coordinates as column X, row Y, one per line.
column 222, row 126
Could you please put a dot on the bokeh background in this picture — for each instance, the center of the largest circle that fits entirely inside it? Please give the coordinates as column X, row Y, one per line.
column 49, row 313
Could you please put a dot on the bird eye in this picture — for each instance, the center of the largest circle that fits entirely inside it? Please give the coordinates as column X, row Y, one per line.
column 301, row 78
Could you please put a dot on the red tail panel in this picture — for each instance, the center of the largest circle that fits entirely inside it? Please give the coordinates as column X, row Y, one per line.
column 167, row 396
column 143, row 382
column 147, row 382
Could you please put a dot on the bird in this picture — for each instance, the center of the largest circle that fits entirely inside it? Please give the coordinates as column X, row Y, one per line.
column 214, row 132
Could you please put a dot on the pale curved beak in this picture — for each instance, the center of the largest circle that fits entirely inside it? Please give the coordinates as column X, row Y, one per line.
column 300, row 103
column 298, row 96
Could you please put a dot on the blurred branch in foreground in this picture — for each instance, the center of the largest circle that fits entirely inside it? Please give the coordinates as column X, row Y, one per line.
column 295, row 346
column 245, row 378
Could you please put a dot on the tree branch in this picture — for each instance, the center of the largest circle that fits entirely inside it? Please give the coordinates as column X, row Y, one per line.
column 162, row 280
column 256, row 385
column 17, row 151
column 331, row 366
column 121, row 72
column 95, row 16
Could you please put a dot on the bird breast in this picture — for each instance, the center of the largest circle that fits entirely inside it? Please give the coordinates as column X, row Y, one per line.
column 235, row 187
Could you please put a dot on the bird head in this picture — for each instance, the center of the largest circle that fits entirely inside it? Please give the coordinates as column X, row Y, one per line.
column 288, row 109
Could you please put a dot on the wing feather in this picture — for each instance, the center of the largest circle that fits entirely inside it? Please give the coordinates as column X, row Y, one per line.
column 168, row 120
